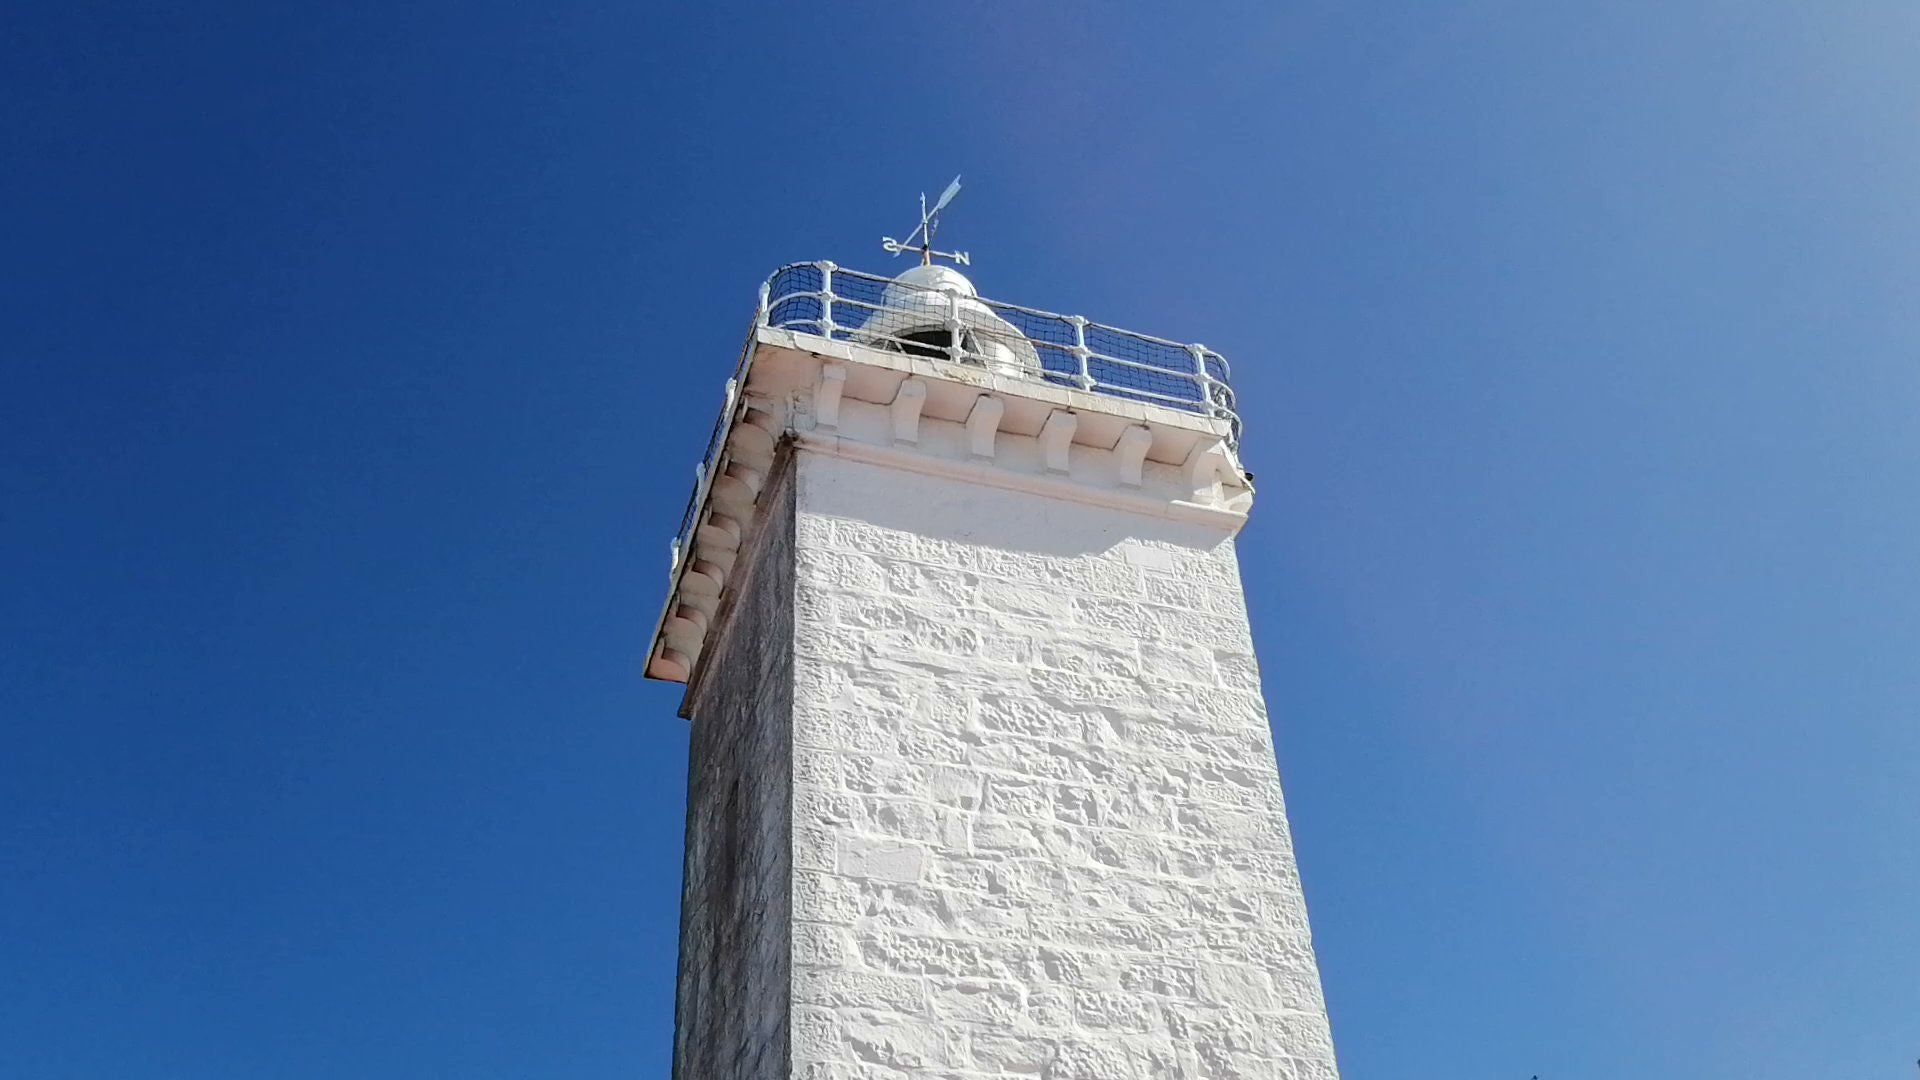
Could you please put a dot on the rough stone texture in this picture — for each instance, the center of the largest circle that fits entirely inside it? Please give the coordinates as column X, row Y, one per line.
column 1037, row 829
column 734, row 999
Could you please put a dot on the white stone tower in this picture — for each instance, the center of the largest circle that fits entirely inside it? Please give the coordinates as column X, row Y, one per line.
column 982, row 783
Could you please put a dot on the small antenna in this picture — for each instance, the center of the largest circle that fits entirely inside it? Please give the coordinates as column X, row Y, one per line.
column 929, row 224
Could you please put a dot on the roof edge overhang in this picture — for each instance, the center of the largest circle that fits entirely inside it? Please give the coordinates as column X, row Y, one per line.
column 936, row 417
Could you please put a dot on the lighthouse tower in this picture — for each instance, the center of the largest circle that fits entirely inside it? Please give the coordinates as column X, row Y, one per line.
column 982, row 783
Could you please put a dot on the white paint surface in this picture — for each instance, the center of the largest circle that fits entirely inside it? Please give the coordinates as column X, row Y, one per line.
column 1037, row 827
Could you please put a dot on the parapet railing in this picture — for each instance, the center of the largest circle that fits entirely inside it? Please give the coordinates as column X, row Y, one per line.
column 1068, row 350
column 830, row 301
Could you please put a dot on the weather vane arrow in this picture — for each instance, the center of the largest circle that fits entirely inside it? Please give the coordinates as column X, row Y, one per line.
column 929, row 223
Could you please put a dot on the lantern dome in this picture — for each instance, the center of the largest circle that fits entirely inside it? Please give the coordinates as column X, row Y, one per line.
column 916, row 313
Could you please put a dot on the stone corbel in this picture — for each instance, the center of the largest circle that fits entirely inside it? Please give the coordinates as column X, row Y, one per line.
column 1205, row 464
column 1055, row 436
column 672, row 664
column 826, row 398
column 719, row 531
column 704, row 577
column 686, row 627
column 1130, row 452
column 751, row 443
column 907, row 403
column 733, row 492
column 983, row 423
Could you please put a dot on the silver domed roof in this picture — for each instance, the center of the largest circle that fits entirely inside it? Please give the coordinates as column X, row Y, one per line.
column 914, row 313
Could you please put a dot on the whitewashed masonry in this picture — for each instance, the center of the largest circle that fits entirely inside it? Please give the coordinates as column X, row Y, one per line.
column 982, row 781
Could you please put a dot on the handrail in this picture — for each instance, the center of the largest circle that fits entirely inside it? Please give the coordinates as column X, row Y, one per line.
column 833, row 302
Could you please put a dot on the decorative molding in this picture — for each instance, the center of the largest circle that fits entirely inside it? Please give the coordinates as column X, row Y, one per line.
column 1050, row 485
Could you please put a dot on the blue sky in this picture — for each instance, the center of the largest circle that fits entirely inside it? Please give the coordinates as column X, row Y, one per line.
column 357, row 357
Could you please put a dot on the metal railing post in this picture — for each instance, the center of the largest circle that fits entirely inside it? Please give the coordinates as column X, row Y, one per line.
column 766, row 288
column 954, row 350
column 1199, row 354
column 1080, row 351
column 1201, row 380
column 826, row 299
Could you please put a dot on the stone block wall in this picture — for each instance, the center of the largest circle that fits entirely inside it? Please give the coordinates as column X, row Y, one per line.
column 1036, row 828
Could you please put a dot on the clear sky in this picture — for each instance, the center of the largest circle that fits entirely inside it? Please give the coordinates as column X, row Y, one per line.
column 357, row 357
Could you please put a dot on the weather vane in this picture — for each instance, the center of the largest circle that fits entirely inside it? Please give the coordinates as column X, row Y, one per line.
column 929, row 222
